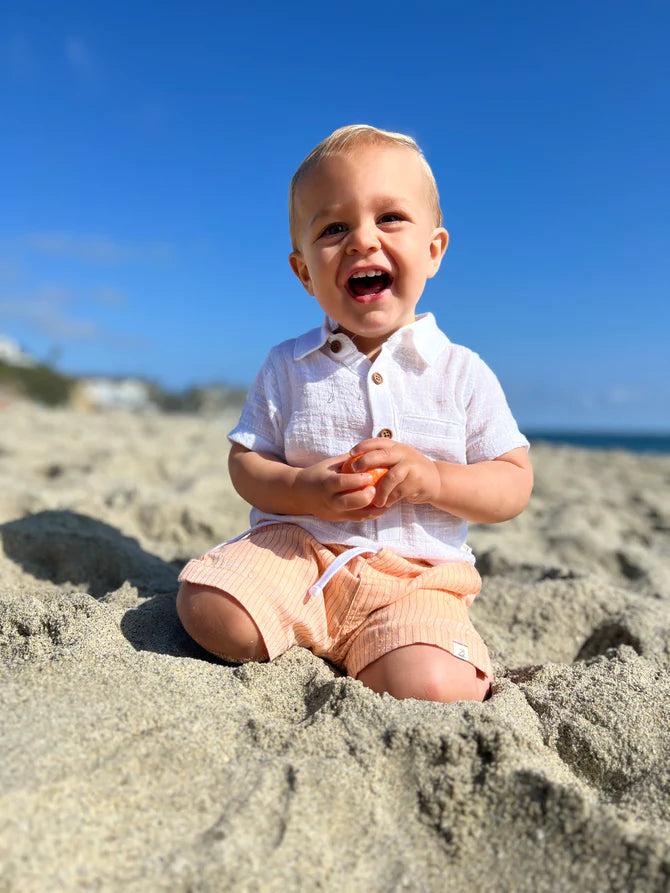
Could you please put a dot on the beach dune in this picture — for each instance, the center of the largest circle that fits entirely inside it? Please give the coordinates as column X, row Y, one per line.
column 132, row 759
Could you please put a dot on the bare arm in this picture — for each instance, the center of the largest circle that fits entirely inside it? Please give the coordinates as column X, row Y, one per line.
column 273, row 486
column 485, row 492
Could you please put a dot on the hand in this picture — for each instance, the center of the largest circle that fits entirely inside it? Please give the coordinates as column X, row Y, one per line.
column 328, row 494
column 411, row 476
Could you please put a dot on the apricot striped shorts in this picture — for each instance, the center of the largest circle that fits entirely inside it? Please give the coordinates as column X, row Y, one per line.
column 374, row 604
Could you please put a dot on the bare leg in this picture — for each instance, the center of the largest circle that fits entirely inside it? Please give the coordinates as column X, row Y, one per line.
column 219, row 623
column 427, row 673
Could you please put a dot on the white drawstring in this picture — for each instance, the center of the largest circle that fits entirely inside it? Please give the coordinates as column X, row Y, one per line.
column 333, row 568
column 246, row 533
column 339, row 562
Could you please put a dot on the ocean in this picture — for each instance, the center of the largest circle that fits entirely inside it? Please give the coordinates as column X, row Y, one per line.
column 634, row 443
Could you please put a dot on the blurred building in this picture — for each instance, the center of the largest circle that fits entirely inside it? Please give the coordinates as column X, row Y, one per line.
column 112, row 393
column 12, row 353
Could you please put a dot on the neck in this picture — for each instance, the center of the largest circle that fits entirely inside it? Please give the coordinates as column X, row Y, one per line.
column 370, row 350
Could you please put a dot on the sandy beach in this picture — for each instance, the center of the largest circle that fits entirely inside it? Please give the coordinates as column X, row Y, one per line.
column 132, row 760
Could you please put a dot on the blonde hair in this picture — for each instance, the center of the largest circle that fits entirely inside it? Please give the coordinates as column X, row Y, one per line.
column 344, row 140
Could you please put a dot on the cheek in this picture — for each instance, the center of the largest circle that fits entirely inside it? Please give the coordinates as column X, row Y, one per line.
column 318, row 263
column 323, row 269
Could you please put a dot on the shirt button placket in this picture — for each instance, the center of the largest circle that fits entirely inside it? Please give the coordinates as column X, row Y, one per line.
column 381, row 405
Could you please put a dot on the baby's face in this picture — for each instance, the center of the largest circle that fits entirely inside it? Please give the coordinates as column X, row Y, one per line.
column 367, row 239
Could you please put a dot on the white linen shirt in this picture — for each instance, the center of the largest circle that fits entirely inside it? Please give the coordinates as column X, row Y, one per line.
column 317, row 395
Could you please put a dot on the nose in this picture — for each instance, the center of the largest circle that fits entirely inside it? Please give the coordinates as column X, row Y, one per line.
column 363, row 239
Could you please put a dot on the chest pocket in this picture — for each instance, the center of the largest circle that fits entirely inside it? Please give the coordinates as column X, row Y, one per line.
column 437, row 438
column 324, row 423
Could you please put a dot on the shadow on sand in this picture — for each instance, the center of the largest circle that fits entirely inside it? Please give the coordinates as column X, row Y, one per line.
column 62, row 546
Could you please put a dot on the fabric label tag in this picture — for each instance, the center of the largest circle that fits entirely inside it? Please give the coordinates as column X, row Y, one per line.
column 461, row 650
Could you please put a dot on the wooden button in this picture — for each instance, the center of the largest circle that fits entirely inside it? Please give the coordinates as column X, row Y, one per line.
column 377, row 377
column 336, row 346
column 385, row 432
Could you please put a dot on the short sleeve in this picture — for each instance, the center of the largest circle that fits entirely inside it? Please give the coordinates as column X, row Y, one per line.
column 490, row 426
column 260, row 427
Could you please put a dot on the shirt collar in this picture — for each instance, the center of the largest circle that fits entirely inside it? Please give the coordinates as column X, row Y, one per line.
column 423, row 335
column 313, row 340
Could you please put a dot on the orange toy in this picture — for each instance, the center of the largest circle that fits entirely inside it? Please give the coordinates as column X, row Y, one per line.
column 376, row 473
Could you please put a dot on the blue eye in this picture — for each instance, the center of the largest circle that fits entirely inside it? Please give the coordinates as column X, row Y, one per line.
column 390, row 218
column 333, row 229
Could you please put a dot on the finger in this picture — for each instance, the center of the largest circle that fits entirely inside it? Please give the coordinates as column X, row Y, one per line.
column 337, row 461
column 379, row 458
column 372, row 460
column 410, row 493
column 372, row 443
column 389, row 488
column 353, row 481
column 353, row 500
column 387, row 501
column 366, row 514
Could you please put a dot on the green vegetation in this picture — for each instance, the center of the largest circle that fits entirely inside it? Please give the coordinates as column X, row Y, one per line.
column 44, row 385
column 206, row 399
column 39, row 383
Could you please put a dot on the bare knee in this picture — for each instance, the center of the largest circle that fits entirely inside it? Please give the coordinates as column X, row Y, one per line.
column 467, row 685
column 426, row 673
column 219, row 623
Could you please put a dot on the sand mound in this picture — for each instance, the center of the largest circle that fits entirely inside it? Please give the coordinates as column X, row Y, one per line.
column 133, row 760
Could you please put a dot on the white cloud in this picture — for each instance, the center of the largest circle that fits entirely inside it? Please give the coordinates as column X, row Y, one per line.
column 79, row 57
column 622, row 395
column 45, row 310
column 95, row 249
column 21, row 60
column 110, row 296
column 49, row 311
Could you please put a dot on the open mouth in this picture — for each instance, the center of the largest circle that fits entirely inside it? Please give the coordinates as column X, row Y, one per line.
column 368, row 282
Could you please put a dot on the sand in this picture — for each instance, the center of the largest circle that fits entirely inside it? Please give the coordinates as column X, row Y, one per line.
column 133, row 760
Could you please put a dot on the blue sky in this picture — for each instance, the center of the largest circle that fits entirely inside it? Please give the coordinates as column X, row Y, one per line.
column 147, row 149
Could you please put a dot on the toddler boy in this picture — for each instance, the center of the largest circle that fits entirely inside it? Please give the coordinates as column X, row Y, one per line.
column 375, row 578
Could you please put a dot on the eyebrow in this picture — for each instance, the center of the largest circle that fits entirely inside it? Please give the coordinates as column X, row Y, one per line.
column 335, row 211
column 325, row 212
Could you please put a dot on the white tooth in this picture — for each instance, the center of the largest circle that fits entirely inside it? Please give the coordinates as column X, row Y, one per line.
column 362, row 274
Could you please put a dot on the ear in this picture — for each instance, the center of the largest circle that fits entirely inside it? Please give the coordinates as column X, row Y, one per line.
column 299, row 267
column 438, row 245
